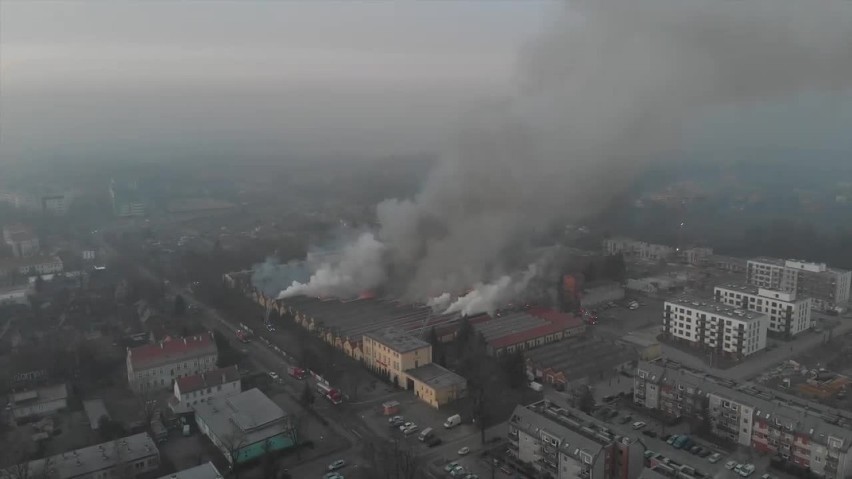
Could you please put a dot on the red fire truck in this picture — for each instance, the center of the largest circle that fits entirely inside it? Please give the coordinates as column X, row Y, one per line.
column 329, row 393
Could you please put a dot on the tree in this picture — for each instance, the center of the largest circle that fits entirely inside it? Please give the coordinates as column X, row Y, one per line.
column 233, row 443
column 514, row 368
column 294, row 432
column 392, row 460
column 585, row 399
column 307, row 398
column 180, row 305
column 110, row 430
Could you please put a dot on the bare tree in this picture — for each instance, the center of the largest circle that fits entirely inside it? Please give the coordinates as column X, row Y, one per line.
column 17, row 453
column 392, row 460
column 294, row 432
column 233, row 443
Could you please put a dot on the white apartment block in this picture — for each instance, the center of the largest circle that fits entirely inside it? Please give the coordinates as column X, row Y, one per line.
column 155, row 366
column 828, row 287
column 716, row 326
column 189, row 391
column 788, row 315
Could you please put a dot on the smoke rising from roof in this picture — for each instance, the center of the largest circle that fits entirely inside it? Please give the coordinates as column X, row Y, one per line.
column 600, row 93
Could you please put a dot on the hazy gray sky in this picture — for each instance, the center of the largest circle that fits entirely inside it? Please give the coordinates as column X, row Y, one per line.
column 319, row 77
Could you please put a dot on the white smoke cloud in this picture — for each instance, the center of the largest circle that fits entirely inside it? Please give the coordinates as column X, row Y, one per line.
column 440, row 303
column 487, row 298
column 358, row 268
column 602, row 92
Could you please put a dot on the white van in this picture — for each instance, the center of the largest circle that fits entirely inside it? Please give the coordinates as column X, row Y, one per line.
column 425, row 434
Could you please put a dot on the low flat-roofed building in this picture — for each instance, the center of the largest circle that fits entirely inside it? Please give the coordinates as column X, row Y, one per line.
column 245, row 426
column 716, row 326
column 437, row 385
column 204, row 471
column 568, row 361
column 37, row 402
column 523, row 330
column 131, row 456
column 96, row 411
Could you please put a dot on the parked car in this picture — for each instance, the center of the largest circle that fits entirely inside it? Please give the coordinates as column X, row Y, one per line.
column 464, row 451
column 695, row 450
column 332, row 475
column 435, row 441
column 625, row 419
column 638, row 425
column 458, row 472
column 405, row 426
column 396, row 421
column 410, row 429
column 730, row 465
column 336, row 465
column 745, row 470
column 649, row 433
column 705, row 453
column 273, row 375
column 671, row 439
column 714, row 458
column 449, row 467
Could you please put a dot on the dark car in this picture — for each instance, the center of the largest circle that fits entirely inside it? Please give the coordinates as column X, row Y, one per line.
column 705, row 453
column 649, row 433
column 695, row 450
column 666, row 437
column 435, row 441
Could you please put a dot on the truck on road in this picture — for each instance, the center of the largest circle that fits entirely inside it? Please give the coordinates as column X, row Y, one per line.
column 297, row 373
column 452, row 421
column 328, row 392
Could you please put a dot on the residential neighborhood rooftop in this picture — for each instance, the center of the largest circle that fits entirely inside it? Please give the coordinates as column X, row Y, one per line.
column 207, row 379
column 204, row 471
column 91, row 459
column 171, row 350
column 250, row 413
column 716, row 308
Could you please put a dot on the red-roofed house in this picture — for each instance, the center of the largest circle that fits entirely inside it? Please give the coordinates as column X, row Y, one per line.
column 521, row 330
column 155, row 366
column 202, row 387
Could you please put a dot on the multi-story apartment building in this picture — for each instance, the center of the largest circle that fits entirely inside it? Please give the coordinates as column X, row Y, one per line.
column 156, row 366
column 407, row 361
column 662, row 389
column 789, row 315
column 564, row 443
column 803, row 433
column 715, row 326
column 634, row 249
column 204, row 387
column 828, row 287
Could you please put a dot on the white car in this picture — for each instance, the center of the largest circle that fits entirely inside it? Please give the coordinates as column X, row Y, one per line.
column 638, row 425
column 731, row 465
column 410, row 429
column 336, row 465
column 464, row 451
column 273, row 375
column 406, row 426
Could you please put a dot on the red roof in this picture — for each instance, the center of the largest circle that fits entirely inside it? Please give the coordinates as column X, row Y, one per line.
column 558, row 322
column 171, row 350
column 208, row 379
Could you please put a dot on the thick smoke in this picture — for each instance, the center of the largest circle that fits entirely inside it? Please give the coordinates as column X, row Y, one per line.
column 485, row 298
column 601, row 93
column 359, row 268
